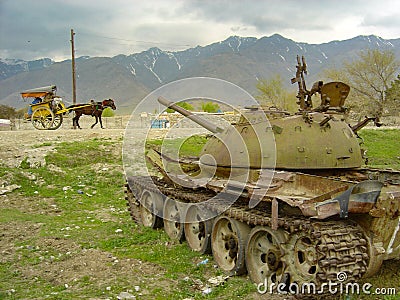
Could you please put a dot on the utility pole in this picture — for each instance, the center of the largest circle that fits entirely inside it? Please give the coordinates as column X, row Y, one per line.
column 73, row 68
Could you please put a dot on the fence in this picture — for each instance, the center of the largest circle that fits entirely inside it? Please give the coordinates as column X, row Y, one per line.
column 120, row 122
column 85, row 122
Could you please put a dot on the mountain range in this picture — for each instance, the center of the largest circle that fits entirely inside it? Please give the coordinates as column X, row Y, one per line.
column 129, row 78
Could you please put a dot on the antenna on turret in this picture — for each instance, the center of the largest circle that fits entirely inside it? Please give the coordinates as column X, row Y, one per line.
column 304, row 101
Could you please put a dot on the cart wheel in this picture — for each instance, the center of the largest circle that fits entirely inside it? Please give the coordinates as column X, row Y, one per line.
column 42, row 118
column 58, row 119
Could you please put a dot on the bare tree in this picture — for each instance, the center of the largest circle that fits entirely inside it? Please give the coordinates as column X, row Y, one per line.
column 272, row 93
column 369, row 76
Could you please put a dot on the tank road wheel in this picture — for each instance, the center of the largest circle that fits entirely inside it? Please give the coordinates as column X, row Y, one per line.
column 148, row 210
column 228, row 242
column 263, row 254
column 42, row 118
column 301, row 258
column 198, row 229
column 375, row 260
column 174, row 217
column 58, row 119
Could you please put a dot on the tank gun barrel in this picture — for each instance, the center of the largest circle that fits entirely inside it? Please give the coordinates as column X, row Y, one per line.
column 195, row 118
column 364, row 122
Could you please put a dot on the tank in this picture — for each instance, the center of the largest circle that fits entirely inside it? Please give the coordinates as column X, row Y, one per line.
column 283, row 197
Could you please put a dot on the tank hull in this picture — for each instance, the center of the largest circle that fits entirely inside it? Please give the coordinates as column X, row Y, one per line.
column 310, row 250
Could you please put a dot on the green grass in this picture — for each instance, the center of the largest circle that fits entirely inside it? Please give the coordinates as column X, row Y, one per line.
column 189, row 147
column 80, row 154
column 383, row 147
column 65, row 219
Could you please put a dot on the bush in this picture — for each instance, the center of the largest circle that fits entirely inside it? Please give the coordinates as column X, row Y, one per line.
column 108, row 112
column 210, row 107
column 7, row 112
column 184, row 105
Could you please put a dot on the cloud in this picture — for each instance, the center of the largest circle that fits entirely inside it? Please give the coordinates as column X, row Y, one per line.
column 308, row 21
column 262, row 15
column 390, row 21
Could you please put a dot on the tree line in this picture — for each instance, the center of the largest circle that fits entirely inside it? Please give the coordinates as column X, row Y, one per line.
column 8, row 112
column 209, row 107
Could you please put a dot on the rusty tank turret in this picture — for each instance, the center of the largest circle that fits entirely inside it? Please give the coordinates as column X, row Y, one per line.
column 284, row 197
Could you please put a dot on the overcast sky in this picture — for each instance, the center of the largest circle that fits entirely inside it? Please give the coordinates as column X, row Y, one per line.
column 31, row 29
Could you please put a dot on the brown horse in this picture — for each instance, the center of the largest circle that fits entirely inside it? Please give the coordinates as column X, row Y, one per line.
column 94, row 109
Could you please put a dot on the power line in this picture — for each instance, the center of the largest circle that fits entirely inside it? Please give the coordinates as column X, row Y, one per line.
column 134, row 41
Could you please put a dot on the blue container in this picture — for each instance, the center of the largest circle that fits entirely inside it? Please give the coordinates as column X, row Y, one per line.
column 159, row 123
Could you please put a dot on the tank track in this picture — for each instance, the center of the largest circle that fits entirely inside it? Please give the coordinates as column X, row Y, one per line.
column 340, row 245
column 133, row 204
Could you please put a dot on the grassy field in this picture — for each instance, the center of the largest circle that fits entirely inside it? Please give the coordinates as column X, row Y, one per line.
column 383, row 147
column 65, row 233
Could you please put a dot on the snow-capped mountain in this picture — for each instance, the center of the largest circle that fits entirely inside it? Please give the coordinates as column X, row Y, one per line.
column 128, row 78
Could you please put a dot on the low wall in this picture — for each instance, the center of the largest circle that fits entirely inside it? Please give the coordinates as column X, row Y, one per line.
column 85, row 122
column 119, row 122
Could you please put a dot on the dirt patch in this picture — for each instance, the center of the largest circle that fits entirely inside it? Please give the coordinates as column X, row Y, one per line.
column 32, row 146
column 31, row 205
column 14, row 233
column 104, row 215
column 74, row 268
column 102, row 168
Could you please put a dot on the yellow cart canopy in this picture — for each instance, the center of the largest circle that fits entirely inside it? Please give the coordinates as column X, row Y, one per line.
column 39, row 92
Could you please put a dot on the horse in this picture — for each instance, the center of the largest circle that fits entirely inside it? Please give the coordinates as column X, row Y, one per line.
column 94, row 109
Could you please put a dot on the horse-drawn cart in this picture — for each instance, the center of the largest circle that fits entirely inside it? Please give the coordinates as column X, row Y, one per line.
column 46, row 110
